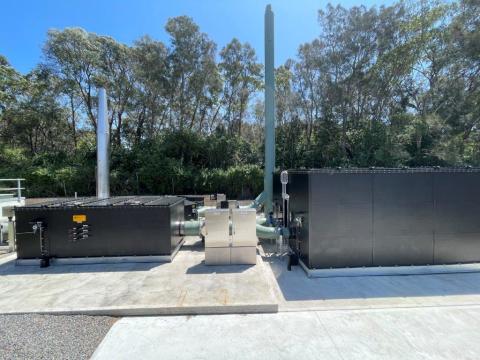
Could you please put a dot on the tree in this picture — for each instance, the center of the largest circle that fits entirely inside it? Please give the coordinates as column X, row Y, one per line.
column 73, row 55
column 242, row 78
column 194, row 82
column 37, row 121
column 150, row 99
column 380, row 86
column 117, row 75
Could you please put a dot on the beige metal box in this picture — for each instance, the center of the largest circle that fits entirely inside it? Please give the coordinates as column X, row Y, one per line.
column 244, row 227
column 217, row 228
column 217, row 256
column 241, row 247
column 244, row 237
column 217, row 237
column 243, row 255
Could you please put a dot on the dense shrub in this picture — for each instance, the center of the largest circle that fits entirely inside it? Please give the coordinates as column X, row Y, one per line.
column 181, row 162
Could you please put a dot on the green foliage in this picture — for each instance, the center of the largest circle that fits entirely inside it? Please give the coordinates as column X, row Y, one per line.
column 382, row 86
column 243, row 181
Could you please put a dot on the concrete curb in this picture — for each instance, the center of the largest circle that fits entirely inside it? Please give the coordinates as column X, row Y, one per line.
column 5, row 258
column 156, row 311
column 392, row 270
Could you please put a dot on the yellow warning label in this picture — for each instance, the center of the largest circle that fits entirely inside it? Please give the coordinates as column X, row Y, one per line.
column 79, row 218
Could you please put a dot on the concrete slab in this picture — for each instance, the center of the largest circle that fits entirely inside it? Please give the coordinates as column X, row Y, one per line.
column 187, row 286
column 184, row 286
column 421, row 333
column 432, row 316
column 296, row 292
column 7, row 257
column 4, row 250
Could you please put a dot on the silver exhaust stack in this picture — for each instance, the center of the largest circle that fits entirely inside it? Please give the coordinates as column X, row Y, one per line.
column 103, row 147
column 269, row 110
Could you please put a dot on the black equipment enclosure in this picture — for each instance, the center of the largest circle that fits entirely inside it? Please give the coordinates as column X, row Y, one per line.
column 385, row 217
column 90, row 227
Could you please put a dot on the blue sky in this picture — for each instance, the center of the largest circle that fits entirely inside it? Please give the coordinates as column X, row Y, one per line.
column 24, row 24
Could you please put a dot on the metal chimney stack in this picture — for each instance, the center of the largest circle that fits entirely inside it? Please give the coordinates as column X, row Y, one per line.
column 103, row 144
column 269, row 109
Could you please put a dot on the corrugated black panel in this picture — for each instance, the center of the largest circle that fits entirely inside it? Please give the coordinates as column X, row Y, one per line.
column 341, row 220
column 403, row 218
column 372, row 217
column 457, row 218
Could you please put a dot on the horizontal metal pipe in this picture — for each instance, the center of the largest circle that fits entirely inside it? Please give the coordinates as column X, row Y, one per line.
column 267, row 232
column 253, row 205
column 261, row 220
column 201, row 210
column 192, row 227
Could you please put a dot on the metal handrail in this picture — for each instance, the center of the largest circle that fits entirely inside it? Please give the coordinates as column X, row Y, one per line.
column 18, row 188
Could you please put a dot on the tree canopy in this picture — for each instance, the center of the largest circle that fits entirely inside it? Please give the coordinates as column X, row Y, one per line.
column 385, row 86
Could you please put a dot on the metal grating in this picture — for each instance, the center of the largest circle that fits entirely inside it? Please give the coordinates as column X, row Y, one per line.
column 93, row 202
column 380, row 170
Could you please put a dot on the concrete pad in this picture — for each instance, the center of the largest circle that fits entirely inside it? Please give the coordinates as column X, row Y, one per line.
column 4, row 250
column 296, row 292
column 421, row 333
column 392, row 270
column 216, row 337
column 184, row 286
column 7, row 257
column 187, row 286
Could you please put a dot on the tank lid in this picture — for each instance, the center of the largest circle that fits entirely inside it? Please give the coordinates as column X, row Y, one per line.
column 129, row 201
column 381, row 170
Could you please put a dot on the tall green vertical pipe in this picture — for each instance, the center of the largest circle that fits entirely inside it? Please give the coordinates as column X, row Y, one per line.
column 269, row 109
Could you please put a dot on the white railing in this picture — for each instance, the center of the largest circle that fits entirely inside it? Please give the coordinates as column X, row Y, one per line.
column 5, row 191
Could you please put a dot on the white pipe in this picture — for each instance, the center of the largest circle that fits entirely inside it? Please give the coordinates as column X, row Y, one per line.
column 103, row 144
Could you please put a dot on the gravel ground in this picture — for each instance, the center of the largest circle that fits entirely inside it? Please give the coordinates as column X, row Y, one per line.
column 51, row 337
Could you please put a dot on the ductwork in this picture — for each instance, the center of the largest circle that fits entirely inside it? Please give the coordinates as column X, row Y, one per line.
column 103, row 144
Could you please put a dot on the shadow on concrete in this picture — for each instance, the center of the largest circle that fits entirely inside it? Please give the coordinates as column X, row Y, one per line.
column 296, row 286
column 9, row 268
column 201, row 268
column 197, row 247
